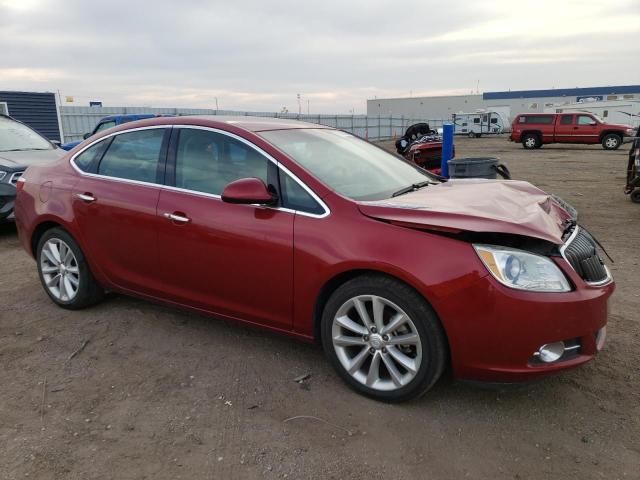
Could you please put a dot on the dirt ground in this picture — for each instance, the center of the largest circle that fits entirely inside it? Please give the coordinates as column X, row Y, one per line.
column 162, row 394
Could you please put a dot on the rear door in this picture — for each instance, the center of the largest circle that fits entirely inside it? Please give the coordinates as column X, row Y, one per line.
column 115, row 204
column 565, row 128
column 234, row 260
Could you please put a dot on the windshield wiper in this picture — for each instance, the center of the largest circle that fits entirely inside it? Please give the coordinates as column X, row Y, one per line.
column 411, row 188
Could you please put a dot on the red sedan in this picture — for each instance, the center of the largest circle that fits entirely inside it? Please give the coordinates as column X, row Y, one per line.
column 315, row 233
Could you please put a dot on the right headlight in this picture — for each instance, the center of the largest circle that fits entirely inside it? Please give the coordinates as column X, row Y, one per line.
column 522, row 270
column 2, row 175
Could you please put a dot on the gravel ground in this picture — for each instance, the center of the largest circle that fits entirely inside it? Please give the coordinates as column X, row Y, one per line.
column 162, row 394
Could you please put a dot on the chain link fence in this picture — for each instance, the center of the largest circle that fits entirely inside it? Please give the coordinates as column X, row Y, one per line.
column 76, row 121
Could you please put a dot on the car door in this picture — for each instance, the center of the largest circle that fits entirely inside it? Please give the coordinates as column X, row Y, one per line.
column 586, row 129
column 115, row 202
column 565, row 128
column 234, row 260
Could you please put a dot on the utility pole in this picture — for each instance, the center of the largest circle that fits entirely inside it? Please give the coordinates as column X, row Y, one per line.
column 308, row 109
column 299, row 104
column 216, row 103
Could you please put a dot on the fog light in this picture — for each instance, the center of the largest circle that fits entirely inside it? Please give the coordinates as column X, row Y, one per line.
column 551, row 352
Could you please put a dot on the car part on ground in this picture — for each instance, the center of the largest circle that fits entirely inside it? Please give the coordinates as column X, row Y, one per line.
column 422, row 146
column 237, row 217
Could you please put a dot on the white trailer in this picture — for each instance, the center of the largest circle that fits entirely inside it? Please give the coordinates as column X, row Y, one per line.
column 476, row 124
column 626, row 112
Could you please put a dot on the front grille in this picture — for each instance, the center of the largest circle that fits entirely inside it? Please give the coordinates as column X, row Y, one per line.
column 14, row 177
column 582, row 254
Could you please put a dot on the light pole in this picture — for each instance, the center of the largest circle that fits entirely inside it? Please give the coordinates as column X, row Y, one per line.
column 299, row 104
column 216, row 103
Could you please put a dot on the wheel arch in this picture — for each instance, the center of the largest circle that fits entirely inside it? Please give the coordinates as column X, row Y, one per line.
column 40, row 230
column 343, row 277
column 611, row 132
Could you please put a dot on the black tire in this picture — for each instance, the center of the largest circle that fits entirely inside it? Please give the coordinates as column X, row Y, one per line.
column 635, row 196
column 89, row 292
column 428, row 327
column 472, row 135
column 531, row 141
column 611, row 141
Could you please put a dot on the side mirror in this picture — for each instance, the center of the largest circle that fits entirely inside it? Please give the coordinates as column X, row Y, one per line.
column 248, row 191
column 86, row 135
column 56, row 143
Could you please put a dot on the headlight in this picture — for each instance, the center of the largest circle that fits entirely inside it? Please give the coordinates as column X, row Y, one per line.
column 630, row 132
column 522, row 270
column 2, row 175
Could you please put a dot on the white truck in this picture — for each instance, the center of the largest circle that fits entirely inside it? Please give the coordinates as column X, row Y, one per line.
column 476, row 124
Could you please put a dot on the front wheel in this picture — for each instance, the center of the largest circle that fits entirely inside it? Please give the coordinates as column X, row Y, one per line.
column 611, row 141
column 635, row 196
column 531, row 141
column 64, row 272
column 383, row 339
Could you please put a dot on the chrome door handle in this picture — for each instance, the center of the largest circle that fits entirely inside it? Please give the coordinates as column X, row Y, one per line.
column 177, row 218
column 86, row 197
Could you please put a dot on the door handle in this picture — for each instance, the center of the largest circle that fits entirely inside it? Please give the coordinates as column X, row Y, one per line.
column 177, row 218
column 86, row 197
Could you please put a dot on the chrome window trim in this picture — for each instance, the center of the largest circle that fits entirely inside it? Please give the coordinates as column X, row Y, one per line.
column 574, row 234
column 278, row 165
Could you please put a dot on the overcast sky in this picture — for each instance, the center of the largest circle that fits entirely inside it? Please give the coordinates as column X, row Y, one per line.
column 258, row 54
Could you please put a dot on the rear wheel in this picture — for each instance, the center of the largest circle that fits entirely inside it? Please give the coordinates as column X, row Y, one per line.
column 472, row 135
column 64, row 272
column 383, row 339
column 531, row 140
column 611, row 141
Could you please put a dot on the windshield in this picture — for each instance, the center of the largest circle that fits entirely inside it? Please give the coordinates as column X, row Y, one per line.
column 14, row 136
column 347, row 164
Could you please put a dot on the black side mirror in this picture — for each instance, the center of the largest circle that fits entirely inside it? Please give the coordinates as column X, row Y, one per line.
column 86, row 135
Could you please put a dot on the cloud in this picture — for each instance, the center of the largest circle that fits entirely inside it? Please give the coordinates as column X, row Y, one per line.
column 258, row 55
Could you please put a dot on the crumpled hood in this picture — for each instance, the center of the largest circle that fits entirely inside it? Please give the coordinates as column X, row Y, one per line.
column 27, row 158
column 476, row 205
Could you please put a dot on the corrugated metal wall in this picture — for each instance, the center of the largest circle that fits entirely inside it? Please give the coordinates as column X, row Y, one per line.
column 78, row 120
column 38, row 110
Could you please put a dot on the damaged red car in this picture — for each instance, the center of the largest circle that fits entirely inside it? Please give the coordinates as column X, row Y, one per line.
column 317, row 234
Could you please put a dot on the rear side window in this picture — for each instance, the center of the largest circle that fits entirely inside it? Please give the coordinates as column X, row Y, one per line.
column 134, row 155
column 87, row 160
column 297, row 198
column 536, row 120
column 207, row 161
column 566, row 119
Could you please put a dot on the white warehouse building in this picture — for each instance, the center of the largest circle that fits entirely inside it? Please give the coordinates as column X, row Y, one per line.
column 507, row 104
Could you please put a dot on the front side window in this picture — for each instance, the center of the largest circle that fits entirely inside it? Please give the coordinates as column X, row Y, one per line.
column 15, row 136
column 207, row 161
column 105, row 125
column 347, row 164
column 86, row 160
column 133, row 155
column 585, row 120
column 297, row 198
column 566, row 119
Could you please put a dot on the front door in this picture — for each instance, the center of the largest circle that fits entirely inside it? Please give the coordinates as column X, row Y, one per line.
column 115, row 207
column 587, row 130
column 234, row 260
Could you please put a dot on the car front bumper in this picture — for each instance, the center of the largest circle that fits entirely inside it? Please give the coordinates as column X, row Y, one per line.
column 496, row 332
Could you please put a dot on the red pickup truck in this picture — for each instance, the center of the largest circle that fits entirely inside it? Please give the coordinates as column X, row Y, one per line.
column 536, row 129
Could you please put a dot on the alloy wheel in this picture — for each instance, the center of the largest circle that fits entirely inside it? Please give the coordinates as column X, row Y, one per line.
column 60, row 270
column 376, row 342
column 611, row 142
column 530, row 142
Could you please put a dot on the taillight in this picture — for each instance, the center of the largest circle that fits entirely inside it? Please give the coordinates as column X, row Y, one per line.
column 20, row 184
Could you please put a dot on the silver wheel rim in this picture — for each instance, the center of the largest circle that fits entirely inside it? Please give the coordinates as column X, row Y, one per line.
column 60, row 271
column 611, row 142
column 376, row 342
column 530, row 142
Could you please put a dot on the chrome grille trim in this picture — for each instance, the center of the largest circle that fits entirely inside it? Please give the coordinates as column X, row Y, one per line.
column 14, row 177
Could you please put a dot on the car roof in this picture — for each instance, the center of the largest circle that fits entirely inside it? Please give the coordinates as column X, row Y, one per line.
column 248, row 123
